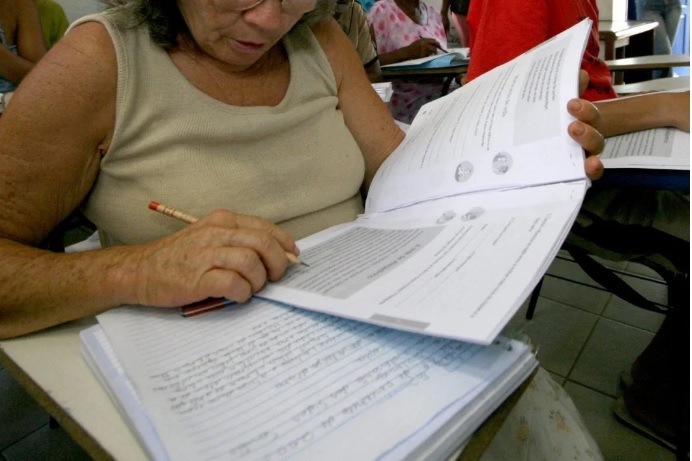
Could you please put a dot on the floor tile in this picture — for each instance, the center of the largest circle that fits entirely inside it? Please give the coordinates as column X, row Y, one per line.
column 641, row 269
column 46, row 444
column 20, row 415
column 617, row 442
column 621, row 311
column 611, row 349
column 556, row 288
column 559, row 332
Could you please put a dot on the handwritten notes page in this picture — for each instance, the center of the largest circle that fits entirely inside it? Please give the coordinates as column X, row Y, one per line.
column 659, row 148
column 264, row 381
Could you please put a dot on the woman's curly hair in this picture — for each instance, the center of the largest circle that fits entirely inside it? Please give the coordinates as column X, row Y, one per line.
column 166, row 24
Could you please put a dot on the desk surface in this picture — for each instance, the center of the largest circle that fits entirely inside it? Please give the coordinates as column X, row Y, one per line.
column 623, row 29
column 50, row 367
column 653, row 61
column 441, row 66
column 658, row 84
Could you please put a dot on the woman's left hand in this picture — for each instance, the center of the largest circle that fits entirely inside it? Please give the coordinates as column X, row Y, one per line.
column 584, row 131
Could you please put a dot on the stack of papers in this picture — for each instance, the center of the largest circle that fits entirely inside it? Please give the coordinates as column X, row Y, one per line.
column 266, row 381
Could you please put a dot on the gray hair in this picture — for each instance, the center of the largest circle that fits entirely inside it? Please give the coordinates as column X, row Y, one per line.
column 166, row 24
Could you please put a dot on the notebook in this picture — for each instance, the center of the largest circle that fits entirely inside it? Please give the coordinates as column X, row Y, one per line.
column 265, row 380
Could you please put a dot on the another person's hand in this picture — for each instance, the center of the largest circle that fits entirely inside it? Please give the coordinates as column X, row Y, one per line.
column 222, row 255
column 583, row 130
column 422, row 48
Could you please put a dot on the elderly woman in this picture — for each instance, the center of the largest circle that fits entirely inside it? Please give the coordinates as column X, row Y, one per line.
column 258, row 107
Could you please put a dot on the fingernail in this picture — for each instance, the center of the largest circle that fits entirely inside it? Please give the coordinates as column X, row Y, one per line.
column 296, row 250
column 575, row 105
column 579, row 129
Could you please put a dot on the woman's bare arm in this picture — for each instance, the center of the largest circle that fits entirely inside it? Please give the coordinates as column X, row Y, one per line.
column 52, row 138
column 366, row 116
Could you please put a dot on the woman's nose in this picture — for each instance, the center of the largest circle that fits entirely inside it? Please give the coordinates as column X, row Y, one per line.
column 266, row 15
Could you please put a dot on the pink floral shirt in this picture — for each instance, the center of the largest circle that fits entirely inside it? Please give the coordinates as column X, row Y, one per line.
column 394, row 30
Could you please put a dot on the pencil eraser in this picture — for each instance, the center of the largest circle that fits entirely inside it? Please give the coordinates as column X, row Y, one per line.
column 154, row 205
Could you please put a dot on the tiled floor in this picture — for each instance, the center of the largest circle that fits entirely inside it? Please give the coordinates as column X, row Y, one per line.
column 585, row 338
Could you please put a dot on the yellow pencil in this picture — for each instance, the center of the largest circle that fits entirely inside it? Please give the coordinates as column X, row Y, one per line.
column 177, row 214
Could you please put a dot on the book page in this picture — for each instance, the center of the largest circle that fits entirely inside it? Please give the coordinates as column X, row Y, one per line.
column 457, row 267
column 506, row 129
column 659, row 148
column 263, row 381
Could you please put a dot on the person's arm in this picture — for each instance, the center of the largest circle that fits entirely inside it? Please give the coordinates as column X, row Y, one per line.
column 640, row 112
column 30, row 44
column 421, row 48
column 373, row 70
column 366, row 116
column 363, row 35
column 444, row 11
column 52, row 138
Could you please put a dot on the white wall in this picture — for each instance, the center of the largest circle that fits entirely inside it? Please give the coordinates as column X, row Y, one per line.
column 75, row 9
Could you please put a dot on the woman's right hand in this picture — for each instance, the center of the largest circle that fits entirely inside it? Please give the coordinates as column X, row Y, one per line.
column 222, row 255
column 422, row 48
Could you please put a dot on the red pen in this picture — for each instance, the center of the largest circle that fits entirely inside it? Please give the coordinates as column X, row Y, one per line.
column 207, row 305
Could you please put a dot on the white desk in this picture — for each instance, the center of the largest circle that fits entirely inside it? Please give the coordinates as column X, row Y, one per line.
column 657, row 84
column 50, row 367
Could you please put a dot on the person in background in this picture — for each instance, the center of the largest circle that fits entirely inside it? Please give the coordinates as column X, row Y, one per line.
column 458, row 10
column 500, row 31
column 408, row 29
column 366, row 4
column 21, row 42
column 53, row 21
column 351, row 17
column 667, row 13
column 650, row 404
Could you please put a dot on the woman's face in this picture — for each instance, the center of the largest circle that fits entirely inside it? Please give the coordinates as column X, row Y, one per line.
column 237, row 38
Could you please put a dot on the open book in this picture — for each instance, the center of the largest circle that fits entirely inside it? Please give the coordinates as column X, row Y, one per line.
column 463, row 219
column 450, row 57
column 265, row 381
column 657, row 158
column 658, row 148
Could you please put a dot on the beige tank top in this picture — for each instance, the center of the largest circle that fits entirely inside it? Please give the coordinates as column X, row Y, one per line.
column 295, row 164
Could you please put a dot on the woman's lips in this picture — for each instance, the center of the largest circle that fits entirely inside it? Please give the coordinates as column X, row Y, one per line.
column 249, row 46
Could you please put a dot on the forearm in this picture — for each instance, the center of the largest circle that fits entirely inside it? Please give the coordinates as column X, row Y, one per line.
column 652, row 110
column 39, row 289
column 12, row 67
column 402, row 54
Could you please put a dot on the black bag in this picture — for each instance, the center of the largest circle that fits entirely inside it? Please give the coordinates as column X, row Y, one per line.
column 459, row 6
column 666, row 254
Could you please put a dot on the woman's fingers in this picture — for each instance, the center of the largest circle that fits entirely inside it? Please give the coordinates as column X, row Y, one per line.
column 221, row 255
column 585, row 131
